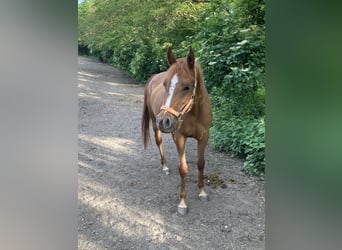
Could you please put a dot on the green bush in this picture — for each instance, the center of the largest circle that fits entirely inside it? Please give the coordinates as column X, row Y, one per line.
column 242, row 138
column 232, row 54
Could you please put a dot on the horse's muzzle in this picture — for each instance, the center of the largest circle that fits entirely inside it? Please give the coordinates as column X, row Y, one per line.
column 166, row 124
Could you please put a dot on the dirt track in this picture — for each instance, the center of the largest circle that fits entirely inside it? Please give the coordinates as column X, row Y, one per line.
column 125, row 201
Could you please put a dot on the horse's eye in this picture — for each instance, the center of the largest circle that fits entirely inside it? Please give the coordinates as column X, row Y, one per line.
column 186, row 88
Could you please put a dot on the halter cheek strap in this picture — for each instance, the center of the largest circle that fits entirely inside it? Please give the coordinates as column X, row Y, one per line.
column 187, row 107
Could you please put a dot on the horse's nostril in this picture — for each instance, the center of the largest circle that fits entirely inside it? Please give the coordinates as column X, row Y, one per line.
column 167, row 123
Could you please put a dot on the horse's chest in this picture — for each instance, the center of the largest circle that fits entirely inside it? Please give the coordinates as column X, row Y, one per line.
column 191, row 128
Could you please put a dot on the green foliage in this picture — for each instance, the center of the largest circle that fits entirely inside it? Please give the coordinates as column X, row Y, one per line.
column 135, row 34
column 242, row 138
column 232, row 53
column 228, row 39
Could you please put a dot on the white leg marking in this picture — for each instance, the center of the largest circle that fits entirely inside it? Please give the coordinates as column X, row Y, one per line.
column 202, row 193
column 182, row 204
column 182, row 208
column 166, row 170
column 203, row 196
column 174, row 82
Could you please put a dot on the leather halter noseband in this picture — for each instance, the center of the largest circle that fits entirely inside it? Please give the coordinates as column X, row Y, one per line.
column 186, row 108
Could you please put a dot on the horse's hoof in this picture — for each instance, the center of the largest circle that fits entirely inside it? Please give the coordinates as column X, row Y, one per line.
column 166, row 170
column 203, row 197
column 182, row 210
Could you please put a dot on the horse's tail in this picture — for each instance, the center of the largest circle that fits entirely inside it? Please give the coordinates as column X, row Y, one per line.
column 145, row 123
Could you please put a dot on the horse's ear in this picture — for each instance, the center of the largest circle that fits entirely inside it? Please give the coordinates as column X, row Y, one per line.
column 170, row 57
column 191, row 58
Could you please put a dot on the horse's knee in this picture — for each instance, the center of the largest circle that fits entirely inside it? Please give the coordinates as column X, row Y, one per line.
column 159, row 140
column 158, row 137
column 183, row 169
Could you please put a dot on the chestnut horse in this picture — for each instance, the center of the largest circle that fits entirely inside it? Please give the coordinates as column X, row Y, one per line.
column 177, row 102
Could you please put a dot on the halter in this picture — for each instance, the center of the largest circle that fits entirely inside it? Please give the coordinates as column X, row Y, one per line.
column 186, row 108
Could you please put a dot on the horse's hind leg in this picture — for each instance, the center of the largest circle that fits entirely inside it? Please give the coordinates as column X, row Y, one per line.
column 200, row 164
column 159, row 140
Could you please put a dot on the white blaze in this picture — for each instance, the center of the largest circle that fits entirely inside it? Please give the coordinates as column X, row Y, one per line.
column 174, row 82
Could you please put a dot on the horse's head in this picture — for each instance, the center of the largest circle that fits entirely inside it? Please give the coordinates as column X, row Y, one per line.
column 180, row 87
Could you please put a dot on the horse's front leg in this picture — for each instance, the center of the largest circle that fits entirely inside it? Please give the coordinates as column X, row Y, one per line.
column 201, row 144
column 180, row 140
column 159, row 142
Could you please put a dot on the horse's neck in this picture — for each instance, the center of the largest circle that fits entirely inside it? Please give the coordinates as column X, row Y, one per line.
column 200, row 89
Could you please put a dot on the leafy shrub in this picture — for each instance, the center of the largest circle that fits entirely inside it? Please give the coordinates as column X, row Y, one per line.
column 255, row 147
column 232, row 54
column 242, row 138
